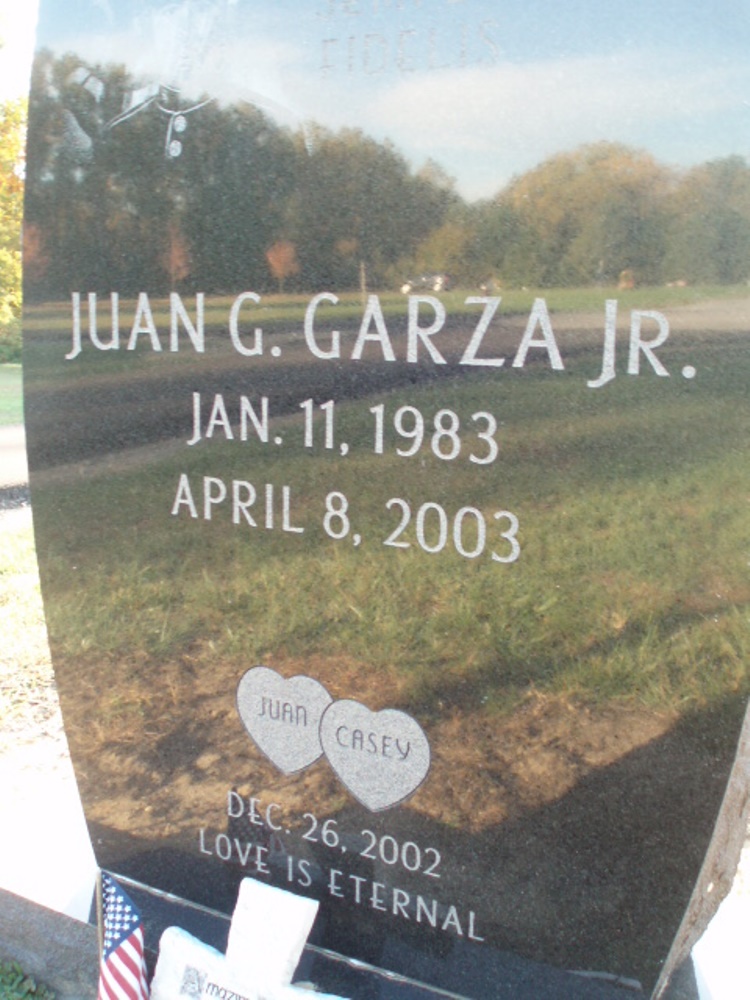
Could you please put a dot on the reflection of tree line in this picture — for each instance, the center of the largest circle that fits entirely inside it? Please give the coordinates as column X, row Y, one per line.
column 250, row 204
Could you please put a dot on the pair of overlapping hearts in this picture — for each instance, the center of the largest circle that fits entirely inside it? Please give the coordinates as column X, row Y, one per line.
column 381, row 757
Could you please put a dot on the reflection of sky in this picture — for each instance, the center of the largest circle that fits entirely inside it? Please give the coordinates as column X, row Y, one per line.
column 486, row 89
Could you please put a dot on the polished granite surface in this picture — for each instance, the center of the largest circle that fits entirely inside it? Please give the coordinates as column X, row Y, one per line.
column 392, row 529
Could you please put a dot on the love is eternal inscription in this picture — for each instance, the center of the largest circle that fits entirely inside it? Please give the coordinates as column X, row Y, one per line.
column 390, row 487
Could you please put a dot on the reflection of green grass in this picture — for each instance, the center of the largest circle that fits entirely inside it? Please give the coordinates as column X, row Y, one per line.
column 11, row 395
column 635, row 532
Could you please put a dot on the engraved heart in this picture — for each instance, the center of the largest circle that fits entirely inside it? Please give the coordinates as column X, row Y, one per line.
column 381, row 757
column 283, row 716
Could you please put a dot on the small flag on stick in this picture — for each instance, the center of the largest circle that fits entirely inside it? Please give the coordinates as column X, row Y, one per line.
column 122, row 970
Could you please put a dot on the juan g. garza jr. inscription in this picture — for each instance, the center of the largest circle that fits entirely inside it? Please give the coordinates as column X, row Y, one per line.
column 428, row 336
column 427, row 323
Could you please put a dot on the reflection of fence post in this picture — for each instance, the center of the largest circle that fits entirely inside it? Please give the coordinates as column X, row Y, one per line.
column 363, row 280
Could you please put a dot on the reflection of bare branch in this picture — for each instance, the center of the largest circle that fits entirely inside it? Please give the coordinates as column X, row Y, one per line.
column 178, row 123
column 145, row 97
column 183, row 29
column 88, row 81
column 76, row 140
column 140, row 99
column 106, row 8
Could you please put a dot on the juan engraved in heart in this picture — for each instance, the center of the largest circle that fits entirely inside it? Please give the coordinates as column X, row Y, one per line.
column 381, row 757
column 283, row 716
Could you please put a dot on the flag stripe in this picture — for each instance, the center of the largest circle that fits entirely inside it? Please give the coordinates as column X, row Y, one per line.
column 125, row 977
column 119, row 985
column 122, row 980
column 122, row 971
column 128, row 957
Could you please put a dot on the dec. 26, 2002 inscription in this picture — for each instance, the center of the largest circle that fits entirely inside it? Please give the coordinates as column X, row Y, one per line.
column 262, row 830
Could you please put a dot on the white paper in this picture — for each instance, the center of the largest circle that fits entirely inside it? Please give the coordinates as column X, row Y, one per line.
column 269, row 930
column 189, row 968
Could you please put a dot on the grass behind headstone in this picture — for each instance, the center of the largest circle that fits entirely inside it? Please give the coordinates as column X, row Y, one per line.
column 16, row 985
column 11, row 394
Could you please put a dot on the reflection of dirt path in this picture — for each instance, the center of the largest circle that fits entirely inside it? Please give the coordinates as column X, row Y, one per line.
column 709, row 316
column 485, row 770
column 713, row 316
column 489, row 772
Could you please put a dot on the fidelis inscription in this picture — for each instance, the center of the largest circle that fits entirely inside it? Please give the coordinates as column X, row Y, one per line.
column 399, row 347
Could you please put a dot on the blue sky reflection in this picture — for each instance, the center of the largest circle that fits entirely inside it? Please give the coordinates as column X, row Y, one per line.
column 486, row 89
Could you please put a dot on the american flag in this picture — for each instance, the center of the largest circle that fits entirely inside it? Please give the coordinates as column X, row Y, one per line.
column 122, row 971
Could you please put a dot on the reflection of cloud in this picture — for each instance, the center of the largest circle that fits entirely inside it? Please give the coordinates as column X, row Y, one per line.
column 485, row 123
column 260, row 79
column 549, row 101
column 220, row 68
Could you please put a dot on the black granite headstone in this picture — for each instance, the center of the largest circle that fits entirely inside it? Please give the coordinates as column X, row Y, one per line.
column 387, row 405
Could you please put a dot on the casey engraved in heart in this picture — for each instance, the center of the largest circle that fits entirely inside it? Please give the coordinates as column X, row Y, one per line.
column 381, row 757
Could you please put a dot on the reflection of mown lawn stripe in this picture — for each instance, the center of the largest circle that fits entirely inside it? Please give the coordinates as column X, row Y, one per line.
column 635, row 529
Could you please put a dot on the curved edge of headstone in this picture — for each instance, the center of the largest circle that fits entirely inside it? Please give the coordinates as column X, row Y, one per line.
column 56, row 950
column 720, row 864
